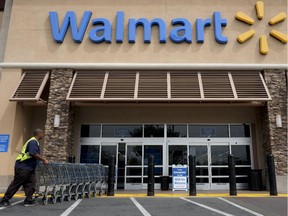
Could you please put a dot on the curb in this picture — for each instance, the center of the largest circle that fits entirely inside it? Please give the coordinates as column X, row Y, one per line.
column 177, row 195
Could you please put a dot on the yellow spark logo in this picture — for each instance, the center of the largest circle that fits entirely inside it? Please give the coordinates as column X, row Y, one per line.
column 263, row 44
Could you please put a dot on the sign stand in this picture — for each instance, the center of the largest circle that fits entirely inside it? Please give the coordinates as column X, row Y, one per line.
column 179, row 177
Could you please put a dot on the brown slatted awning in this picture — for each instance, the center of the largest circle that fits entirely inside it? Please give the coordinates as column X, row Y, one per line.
column 169, row 86
column 152, row 84
column 216, row 85
column 87, row 85
column 31, row 86
column 185, row 84
column 120, row 85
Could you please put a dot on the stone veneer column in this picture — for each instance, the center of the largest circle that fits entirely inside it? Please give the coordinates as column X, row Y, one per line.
column 58, row 142
column 275, row 139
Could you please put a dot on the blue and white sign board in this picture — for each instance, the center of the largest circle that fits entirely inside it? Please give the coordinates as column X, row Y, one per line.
column 4, row 142
column 179, row 177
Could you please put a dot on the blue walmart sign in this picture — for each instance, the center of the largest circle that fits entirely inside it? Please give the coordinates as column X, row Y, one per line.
column 102, row 30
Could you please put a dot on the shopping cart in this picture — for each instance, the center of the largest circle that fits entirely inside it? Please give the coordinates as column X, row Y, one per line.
column 60, row 181
column 86, row 183
column 45, row 183
column 104, row 179
column 94, row 178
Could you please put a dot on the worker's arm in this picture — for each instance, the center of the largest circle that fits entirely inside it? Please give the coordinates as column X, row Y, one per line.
column 39, row 157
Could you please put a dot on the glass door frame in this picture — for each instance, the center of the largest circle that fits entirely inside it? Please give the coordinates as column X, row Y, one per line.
column 203, row 186
column 210, row 185
column 133, row 186
column 116, row 158
column 217, row 186
column 154, row 142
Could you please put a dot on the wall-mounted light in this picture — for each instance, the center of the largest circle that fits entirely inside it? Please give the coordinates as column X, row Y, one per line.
column 56, row 121
column 278, row 121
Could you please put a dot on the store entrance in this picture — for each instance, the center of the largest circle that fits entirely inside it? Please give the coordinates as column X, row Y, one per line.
column 212, row 162
column 118, row 150
column 132, row 163
column 170, row 145
column 211, row 165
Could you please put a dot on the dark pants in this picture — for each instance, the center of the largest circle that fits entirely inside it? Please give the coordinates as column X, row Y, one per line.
column 24, row 178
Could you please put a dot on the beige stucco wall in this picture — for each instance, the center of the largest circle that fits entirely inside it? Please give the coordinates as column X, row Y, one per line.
column 17, row 120
column 13, row 120
column 30, row 38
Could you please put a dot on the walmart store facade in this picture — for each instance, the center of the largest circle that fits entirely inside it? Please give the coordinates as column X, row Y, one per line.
column 134, row 78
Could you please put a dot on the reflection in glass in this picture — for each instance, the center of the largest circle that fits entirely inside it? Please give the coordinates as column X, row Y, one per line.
column 201, row 171
column 176, row 130
column 134, row 171
column 240, row 130
column 177, row 154
column 242, row 170
column 220, row 171
column 241, row 154
column 201, row 154
column 219, row 155
column 157, row 180
column 202, row 180
column 157, row 171
column 106, row 153
column 90, row 130
column 134, row 155
column 220, row 180
column 208, row 131
column 156, row 151
column 242, row 180
column 122, row 130
column 153, row 130
column 89, row 154
column 133, row 180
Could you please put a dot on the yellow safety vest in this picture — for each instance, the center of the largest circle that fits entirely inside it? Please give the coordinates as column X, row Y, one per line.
column 25, row 155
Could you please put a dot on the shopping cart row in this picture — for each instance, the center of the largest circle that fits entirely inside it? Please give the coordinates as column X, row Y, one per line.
column 67, row 181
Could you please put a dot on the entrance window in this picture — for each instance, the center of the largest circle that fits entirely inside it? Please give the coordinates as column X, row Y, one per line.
column 89, row 154
column 176, row 130
column 154, row 131
column 201, row 154
column 107, row 151
column 240, row 130
column 177, row 154
column 208, row 131
column 134, row 155
column 219, row 155
column 241, row 154
column 90, row 130
column 122, row 131
column 156, row 151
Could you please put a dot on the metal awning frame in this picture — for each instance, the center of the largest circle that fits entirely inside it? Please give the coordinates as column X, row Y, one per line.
column 39, row 92
column 168, row 98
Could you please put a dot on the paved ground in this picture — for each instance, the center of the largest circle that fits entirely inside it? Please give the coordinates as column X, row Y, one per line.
column 156, row 206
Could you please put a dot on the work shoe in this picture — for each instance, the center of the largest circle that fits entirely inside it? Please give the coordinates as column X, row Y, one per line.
column 30, row 202
column 4, row 203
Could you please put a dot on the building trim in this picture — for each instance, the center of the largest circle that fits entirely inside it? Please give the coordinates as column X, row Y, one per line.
column 144, row 66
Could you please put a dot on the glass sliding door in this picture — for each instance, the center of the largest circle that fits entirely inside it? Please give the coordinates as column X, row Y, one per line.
column 243, row 164
column 157, row 152
column 211, row 165
column 134, row 171
column 219, row 165
column 107, row 151
column 121, row 165
column 202, row 165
